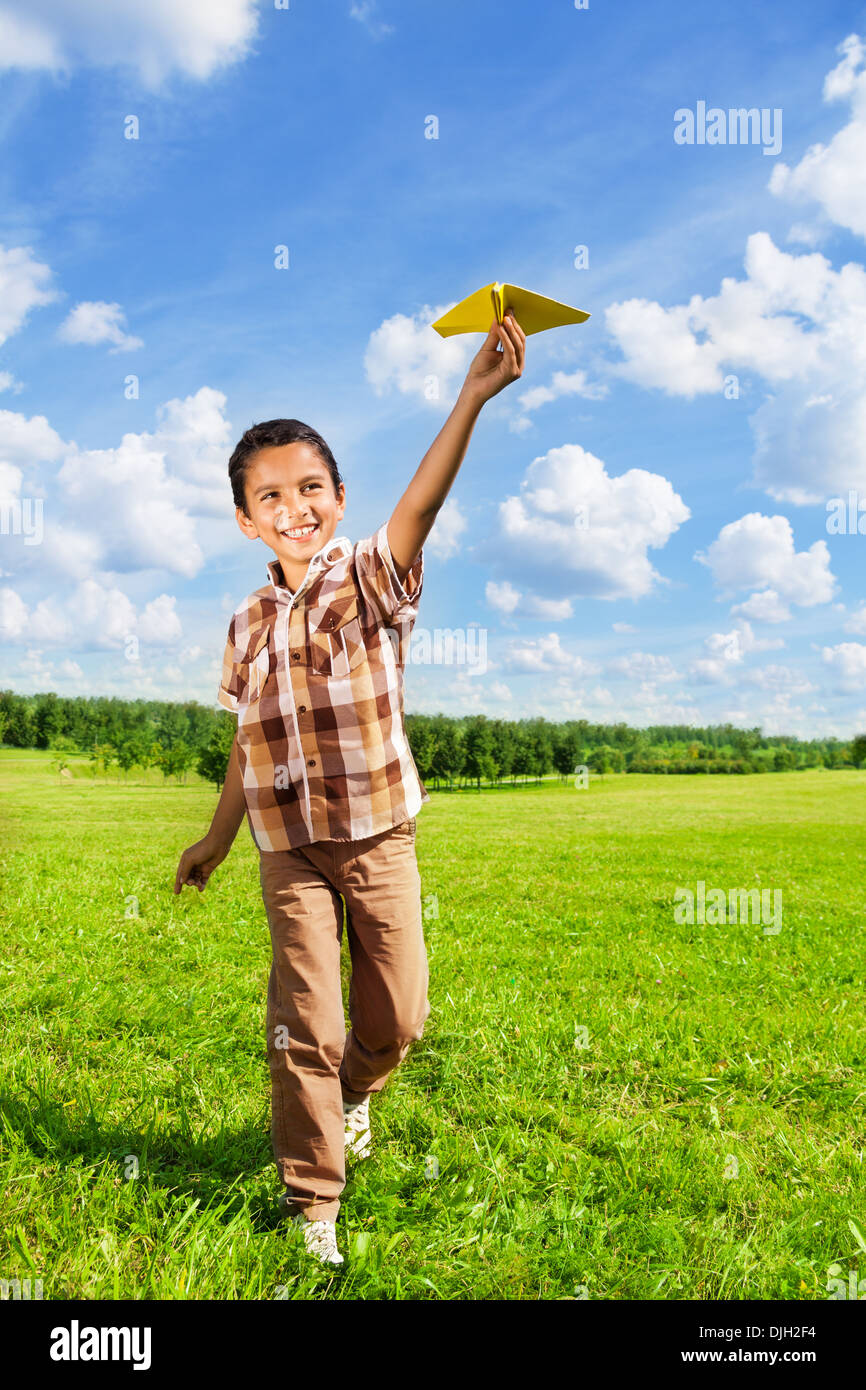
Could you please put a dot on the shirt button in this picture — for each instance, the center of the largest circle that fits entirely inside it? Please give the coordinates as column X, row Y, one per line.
column 302, row 709
column 296, row 656
column 311, row 762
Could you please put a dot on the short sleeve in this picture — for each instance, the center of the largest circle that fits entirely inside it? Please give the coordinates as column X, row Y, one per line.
column 394, row 602
column 229, row 688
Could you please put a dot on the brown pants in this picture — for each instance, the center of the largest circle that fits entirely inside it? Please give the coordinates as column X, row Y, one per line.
column 314, row 1064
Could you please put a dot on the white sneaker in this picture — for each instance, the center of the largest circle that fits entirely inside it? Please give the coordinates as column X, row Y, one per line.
column 358, row 1138
column 320, row 1239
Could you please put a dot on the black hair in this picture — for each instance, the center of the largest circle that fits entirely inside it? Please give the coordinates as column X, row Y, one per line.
column 271, row 434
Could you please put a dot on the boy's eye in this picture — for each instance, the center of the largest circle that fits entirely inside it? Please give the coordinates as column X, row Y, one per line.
column 306, row 485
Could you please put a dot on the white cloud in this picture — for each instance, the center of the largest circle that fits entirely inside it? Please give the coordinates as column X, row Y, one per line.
column 23, row 285
column 848, row 662
column 407, row 354
column 130, row 507
column 123, row 502
column 88, row 616
column 561, row 384
column 660, row 347
column 544, row 654
column 28, row 441
column 13, row 614
column 726, row 651
column 196, row 439
column 757, row 552
column 623, row 627
column 794, row 320
column 644, row 666
column 831, row 175
column 779, row 678
column 857, row 621
column 576, row 531
column 602, row 696
column 10, row 484
column 646, row 705
column 444, row 537
column 97, row 322
column 800, row 325
column 506, row 599
column 366, row 13
column 764, row 607
column 554, row 610
column 195, row 38
column 503, row 597
column 805, row 235
column 160, row 625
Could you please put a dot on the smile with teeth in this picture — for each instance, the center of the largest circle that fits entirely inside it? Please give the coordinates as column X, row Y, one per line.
column 300, row 533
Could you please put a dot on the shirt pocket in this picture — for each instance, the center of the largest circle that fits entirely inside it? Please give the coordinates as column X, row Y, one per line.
column 335, row 637
column 254, row 668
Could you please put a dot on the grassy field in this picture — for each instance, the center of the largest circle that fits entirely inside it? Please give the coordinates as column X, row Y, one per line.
column 607, row 1103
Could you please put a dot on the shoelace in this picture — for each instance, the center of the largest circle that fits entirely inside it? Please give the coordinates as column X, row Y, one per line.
column 357, row 1122
column 320, row 1238
column 358, row 1117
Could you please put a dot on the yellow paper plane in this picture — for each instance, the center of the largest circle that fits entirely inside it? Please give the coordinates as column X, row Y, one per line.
column 534, row 312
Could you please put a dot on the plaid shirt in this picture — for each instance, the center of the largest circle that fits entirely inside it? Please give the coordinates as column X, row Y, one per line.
column 316, row 680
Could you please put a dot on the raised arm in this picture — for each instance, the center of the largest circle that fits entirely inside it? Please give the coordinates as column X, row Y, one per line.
column 489, row 372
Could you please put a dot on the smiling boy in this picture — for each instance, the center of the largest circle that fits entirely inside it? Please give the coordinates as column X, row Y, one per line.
column 321, row 767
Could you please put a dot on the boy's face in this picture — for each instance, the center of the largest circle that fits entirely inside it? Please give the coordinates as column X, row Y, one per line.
column 291, row 504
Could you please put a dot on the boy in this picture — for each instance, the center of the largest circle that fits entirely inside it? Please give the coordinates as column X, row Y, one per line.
column 321, row 766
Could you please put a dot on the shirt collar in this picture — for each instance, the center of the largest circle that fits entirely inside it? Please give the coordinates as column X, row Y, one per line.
column 337, row 547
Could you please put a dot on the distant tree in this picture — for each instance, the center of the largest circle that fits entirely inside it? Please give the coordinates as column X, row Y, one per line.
column 521, row 762
column 46, row 720
column 422, row 742
column 599, row 760
column 502, row 735
column 177, row 759
column 213, row 760
column 103, row 756
column 566, row 750
column 540, row 740
column 61, row 747
column 606, row 759
column 858, row 750
column 171, row 727
column 19, row 731
column 132, row 752
column 478, row 743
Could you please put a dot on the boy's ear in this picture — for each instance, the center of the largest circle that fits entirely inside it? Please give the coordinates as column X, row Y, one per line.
column 246, row 524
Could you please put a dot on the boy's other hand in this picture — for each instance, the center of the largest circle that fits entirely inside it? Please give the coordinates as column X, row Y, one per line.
column 490, row 369
column 198, row 863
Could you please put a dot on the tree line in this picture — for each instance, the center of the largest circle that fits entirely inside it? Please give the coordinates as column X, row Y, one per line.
column 449, row 751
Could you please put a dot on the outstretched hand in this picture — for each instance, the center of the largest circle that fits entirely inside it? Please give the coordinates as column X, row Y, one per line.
column 490, row 369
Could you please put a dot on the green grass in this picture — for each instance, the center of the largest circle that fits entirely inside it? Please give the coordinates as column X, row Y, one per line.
column 705, row 1143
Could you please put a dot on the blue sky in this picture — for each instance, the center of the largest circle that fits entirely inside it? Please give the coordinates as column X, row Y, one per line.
column 698, row 423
